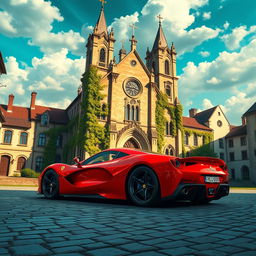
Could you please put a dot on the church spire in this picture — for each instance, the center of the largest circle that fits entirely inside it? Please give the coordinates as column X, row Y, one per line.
column 160, row 40
column 101, row 25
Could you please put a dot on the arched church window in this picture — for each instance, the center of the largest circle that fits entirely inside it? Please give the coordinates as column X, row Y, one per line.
column 133, row 112
column 168, row 89
column 167, row 151
column 137, row 113
column 186, row 138
column 102, row 57
column 166, row 67
column 127, row 114
column 167, row 128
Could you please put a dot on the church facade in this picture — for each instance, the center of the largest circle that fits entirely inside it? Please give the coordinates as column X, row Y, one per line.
column 131, row 87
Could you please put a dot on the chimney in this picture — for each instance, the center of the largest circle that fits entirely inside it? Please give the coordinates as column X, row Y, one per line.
column 33, row 100
column 10, row 103
column 192, row 112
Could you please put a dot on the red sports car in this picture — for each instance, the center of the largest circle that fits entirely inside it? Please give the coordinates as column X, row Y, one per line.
column 144, row 178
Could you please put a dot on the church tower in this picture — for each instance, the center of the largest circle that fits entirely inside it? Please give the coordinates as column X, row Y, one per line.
column 100, row 45
column 161, row 61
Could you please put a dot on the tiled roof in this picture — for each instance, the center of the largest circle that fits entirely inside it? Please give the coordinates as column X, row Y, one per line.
column 57, row 115
column 2, row 66
column 252, row 109
column 191, row 122
column 21, row 116
column 203, row 117
column 237, row 131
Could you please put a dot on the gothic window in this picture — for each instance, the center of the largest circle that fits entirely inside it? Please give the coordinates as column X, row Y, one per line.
column 39, row 163
column 8, row 137
column 132, row 111
column 137, row 113
column 168, row 89
column 102, row 57
column 169, row 150
column 23, row 138
column 166, row 67
column 167, row 128
column 127, row 114
column 42, row 140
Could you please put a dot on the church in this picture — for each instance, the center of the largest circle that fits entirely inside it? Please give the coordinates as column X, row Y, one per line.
column 131, row 88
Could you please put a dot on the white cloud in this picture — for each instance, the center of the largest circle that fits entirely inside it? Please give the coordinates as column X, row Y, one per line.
column 55, row 77
column 227, row 72
column 233, row 40
column 207, row 15
column 177, row 20
column 207, row 104
column 213, row 80
column 204, row 54
column 33, row 19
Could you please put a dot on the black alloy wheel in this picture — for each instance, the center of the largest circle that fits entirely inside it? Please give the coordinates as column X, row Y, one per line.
column 50, row 184
column 143, row 187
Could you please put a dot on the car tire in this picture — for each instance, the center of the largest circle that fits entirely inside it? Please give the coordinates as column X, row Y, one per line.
column 50, row 184
column 143, row 187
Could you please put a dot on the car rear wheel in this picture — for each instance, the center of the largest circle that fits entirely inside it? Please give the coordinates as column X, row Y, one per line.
column 50, row 184
column 143, row 187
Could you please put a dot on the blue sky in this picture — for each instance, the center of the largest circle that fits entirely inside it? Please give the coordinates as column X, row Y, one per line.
column 43, row 44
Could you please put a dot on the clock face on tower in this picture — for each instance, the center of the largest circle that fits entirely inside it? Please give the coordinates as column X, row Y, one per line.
column 132, row 87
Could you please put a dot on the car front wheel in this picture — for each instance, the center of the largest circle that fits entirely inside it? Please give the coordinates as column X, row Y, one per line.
column 143, row 187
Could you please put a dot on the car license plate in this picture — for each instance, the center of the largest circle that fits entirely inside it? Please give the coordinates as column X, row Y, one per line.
column 212, row 179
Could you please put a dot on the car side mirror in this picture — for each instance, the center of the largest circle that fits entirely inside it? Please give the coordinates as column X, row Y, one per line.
column 77, row 161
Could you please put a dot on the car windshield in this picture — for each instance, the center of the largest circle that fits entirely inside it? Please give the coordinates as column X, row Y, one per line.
column 104, row 157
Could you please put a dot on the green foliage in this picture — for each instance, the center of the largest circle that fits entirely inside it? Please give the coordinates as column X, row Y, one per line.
column 204, row 150
column 175, row 112
column 29, row 173
column 208, row 136
column 92, row 136
column 51, row 146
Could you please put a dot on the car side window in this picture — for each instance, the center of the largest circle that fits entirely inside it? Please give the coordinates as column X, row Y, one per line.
column 104, row 157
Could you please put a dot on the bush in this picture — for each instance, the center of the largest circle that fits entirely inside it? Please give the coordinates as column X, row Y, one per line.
column 204, row 150
column 29, row 173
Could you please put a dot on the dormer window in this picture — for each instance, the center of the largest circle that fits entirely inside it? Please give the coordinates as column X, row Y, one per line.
column 45, row 119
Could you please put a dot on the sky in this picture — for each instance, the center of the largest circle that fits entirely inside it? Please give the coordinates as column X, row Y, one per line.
column 43, row 45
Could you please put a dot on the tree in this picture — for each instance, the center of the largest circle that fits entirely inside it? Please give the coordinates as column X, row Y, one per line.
column 204, row 150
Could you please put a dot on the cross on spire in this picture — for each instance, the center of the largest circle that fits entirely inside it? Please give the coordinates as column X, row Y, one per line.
column 133, row 28
column 102, row 3
column 160, row 18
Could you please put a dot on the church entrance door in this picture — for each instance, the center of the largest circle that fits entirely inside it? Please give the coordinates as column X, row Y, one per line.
column 131, row 143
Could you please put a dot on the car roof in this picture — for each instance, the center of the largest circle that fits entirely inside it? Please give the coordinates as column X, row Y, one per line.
column 129, row 151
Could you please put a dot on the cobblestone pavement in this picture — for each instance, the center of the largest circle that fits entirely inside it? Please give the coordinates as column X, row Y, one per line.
column 32, row 225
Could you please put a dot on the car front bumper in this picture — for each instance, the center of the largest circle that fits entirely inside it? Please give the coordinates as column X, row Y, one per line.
column 197, row 192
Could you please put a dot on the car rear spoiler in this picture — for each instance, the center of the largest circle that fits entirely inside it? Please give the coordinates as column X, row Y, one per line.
column 204, row 160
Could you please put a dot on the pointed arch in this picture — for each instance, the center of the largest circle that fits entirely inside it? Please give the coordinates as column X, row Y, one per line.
column 102, row 59
column 167, row 67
